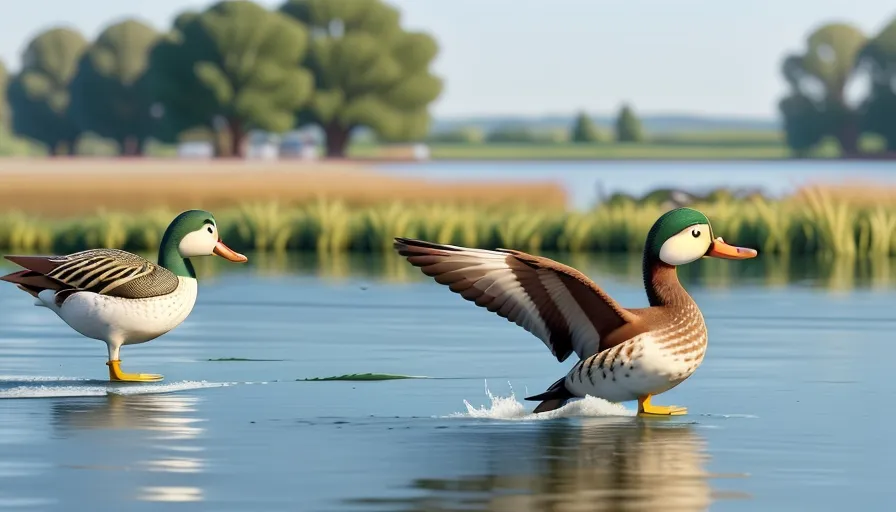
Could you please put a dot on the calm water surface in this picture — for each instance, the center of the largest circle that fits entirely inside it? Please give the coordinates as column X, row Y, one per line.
column 790, row 410
column 584, row 181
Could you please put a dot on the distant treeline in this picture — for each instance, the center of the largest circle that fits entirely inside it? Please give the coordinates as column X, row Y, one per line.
column 627, row 128
column 222, row 72
column 818, row 107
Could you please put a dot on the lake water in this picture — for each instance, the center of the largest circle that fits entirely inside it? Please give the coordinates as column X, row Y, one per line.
column 586, row 181
column 791, row 409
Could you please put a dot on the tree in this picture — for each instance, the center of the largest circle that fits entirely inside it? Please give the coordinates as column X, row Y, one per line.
column 234, row 67
column 584, row 129
column 628, row 126
column 802, row 127
column 368, row 71
column 39, row 96
column 821, row 75
column 878, row 112
column 109, row 93
column 4, row 107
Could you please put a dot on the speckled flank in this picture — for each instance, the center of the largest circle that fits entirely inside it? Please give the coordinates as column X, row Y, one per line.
column 649, row 363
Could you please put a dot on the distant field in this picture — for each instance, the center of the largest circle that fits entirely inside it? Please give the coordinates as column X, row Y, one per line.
column 78, row 186
column 719, row 145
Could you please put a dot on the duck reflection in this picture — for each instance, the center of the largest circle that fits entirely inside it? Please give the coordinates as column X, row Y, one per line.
column 161, row 432
column 599, row 464
column 167, row 417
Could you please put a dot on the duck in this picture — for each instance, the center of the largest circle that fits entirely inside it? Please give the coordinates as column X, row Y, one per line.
column 625, row 354
column 121, row 298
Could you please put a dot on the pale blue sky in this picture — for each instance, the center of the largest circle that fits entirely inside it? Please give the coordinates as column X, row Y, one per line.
column 534, row 57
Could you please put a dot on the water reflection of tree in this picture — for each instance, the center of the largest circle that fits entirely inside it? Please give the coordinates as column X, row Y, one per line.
column 607, row 464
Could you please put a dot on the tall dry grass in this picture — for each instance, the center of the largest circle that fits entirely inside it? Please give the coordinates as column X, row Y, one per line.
column 63, row 188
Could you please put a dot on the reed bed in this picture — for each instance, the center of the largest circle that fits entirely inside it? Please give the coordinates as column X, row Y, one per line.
column 814, row 221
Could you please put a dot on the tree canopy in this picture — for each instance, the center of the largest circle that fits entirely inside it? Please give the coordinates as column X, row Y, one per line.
column 584, row 129
column 4, row 107
column 368, row 71
column 818, row 78
column 109, row 93
column 39, row 93
column 234, row 66
column 879, row 109
column 628, row 126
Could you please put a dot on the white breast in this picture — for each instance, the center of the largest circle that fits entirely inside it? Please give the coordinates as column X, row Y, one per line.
column 128, row 321
column 630, row 370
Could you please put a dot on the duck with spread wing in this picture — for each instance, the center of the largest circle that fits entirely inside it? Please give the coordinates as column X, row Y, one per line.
column 624, row 354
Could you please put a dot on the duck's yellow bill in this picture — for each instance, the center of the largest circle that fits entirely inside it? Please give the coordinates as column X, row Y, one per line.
column 229, row 254
column 720, row 249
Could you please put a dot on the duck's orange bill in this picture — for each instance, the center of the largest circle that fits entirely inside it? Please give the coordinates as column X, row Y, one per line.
column 720, row 249
column 229, row 254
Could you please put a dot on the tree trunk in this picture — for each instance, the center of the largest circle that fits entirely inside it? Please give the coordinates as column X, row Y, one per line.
column 62, row 148
column 131, row 146
column 337, row 139
column 237, row 138
column 848, row 136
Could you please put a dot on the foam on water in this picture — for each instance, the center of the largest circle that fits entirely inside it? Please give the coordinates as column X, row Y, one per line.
column 509, row 408
column 52, row 387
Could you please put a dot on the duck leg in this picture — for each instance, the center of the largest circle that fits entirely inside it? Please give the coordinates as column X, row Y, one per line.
column 645, row 408
column 115, row 373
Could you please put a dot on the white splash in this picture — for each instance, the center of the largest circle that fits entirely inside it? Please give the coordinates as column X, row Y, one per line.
column 509, row 408
column 51, row 387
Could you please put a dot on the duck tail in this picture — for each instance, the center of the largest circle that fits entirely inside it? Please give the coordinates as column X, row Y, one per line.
column 32, row 283
column 554, row 398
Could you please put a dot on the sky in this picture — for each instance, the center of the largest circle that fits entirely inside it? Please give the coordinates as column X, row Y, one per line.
column 543, row 57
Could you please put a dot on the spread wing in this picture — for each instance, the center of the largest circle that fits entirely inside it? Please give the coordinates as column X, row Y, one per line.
column 104, row 271
column 556, row 303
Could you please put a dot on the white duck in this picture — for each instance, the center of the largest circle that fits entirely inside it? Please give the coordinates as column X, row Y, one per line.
column 121, row 298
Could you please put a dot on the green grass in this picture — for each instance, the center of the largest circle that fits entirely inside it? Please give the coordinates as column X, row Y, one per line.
column 817, row 221
column 715, row 145
column 360, row 377
column 678, row 146
column 599, row 151
column 241, row 360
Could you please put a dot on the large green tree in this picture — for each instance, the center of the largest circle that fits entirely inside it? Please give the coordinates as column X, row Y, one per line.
column 628, row 126
column 234, row 67
column 109, row 93
column 879, row 109
column 368, row 71
column 584, row 129
column 39, row 95
column 820, row 76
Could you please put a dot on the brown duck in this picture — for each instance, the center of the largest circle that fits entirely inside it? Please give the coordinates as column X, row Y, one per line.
column 625, row 354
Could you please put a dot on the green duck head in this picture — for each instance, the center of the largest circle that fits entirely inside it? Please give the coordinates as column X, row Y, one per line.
column 684, row 235
column 191, row 234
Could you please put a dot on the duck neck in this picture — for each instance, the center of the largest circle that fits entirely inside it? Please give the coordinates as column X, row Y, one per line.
column 170, row 258
column 662, row 285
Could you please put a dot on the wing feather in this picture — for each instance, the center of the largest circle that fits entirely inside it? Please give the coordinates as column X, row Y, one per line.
column 108, row 272
column 556, row 303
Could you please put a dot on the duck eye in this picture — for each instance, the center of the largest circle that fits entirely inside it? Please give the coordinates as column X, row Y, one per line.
column 695, row 233
column 210, row 229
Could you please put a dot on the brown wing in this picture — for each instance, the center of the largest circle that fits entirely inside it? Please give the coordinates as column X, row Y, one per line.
column 104, row 271
column 556, row 303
